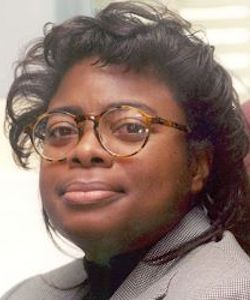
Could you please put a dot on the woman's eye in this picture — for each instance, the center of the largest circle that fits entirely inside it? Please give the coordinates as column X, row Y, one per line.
column 61, row 132
column 133, row 128
column 130, row 130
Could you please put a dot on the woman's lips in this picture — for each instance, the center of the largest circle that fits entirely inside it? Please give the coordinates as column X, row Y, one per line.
column 83, row 193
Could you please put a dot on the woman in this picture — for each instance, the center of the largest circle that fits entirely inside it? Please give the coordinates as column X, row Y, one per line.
column 142, row 144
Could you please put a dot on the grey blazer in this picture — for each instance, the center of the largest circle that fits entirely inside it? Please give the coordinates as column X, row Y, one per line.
column 215, row 271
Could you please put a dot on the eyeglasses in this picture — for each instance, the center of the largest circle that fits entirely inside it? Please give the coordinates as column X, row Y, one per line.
column 122, row 131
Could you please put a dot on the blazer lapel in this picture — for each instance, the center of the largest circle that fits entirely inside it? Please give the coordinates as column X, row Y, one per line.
column 148, row 282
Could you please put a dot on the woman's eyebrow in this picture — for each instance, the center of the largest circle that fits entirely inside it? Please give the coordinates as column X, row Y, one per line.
column 75, row 110
column 133, row 103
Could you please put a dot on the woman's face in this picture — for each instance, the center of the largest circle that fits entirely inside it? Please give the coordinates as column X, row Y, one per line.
column 108, row 204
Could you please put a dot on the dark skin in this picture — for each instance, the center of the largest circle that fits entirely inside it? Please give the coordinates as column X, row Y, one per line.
column 132, row 201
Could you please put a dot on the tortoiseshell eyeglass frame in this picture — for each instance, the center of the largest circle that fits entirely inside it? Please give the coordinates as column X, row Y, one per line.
column 79, row 119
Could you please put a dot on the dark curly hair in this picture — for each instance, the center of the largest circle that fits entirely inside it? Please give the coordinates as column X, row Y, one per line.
column 141, row 38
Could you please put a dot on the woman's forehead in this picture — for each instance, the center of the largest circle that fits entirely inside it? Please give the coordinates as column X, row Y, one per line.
column 94, row 88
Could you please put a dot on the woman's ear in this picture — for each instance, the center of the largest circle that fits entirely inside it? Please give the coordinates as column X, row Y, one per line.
column 201, row 164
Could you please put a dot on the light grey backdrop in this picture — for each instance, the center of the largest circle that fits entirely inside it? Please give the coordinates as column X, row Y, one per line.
column 21, row 21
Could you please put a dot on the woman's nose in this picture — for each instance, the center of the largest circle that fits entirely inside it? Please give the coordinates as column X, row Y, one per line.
column 89, row 152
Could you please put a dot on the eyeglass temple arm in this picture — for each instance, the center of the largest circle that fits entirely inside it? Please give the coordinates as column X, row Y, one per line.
column 168, row 123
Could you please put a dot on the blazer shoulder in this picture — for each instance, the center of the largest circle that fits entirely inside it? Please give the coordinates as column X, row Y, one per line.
column 216, row 268
column 66, row 276
column 61, row 283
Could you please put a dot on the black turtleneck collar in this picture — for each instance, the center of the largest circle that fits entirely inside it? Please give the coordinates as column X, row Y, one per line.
column 104, row 280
